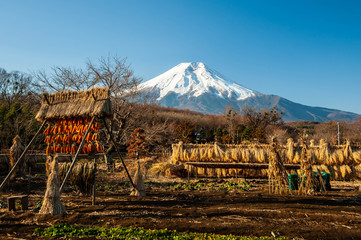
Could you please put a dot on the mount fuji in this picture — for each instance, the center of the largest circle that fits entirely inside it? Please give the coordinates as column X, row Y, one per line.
column 196, row 87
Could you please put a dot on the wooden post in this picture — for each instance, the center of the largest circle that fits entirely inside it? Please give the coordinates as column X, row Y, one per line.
column 94, row 184
column 22, row 156
column 117, row 150
column 321, row 180
column 188, row 171
column 75, row 157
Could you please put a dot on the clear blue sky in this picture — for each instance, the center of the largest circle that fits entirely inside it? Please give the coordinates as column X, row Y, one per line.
column 306, row 51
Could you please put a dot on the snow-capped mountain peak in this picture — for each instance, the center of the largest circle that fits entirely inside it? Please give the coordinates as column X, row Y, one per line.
column 194, row 79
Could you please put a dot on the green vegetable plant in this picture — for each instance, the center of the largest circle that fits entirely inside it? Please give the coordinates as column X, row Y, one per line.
column 64, row 230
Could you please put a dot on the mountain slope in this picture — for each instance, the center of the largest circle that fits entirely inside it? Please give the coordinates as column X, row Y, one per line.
column 196, row 87
column 194, row 80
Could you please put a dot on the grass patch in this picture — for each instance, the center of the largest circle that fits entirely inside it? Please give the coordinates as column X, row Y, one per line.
column 228, row 186
column 69, row 231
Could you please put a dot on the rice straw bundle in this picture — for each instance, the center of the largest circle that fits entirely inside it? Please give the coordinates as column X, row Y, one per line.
column 296, row 158
column 312, row 143
column 358, row 171
column 224, row 172
column 276, row 174
column 82, row 176
column 341, row 157
column 139, row 190
column 346, row 172
column 347, row 152
column 218, row 172
column 159, row 168
column 194, row 155
column 312, row 157
column 15, row 151
column 211, row 155
column 48, row 161
column 260, row 155
column 290, row 149
column 356, row 156
column 203, row 154
column 52, row 203
column 324, row 168
column 185, row 156
column 307, row 184
column 228, row 156
column 175, row 158
column 245, row 156
column 235, row 153
column 218, row 152
column 332, row 160
column 336, row 172
column 323, row 151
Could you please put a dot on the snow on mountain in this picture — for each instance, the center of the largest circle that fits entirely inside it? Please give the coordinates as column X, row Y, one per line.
column 194, row 80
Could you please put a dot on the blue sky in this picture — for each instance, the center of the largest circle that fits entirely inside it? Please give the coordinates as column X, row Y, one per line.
column 306, row 51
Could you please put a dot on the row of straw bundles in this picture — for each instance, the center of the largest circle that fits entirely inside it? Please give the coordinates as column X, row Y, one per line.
column 82, row 176
column 260, row 153
column 232, row 172
column 215, row 153
column 338, row 172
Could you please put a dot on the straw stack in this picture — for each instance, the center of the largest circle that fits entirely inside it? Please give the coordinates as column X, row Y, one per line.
column 52, row 203
column 277, row 179
column 82, row 176
column 139, row 190
column 15, row 151
column 307, row 183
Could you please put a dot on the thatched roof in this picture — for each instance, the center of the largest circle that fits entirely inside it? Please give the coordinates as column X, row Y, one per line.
column 69, row 104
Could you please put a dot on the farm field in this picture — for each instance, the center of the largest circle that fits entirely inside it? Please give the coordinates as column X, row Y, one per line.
column 206, row 205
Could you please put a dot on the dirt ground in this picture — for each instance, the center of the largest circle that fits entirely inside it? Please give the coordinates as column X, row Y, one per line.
column 335, row 215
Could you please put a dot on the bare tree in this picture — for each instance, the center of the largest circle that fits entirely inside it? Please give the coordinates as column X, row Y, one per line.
column 258, row 121
column 111, row 72
column 14, row 86
column 18, row 104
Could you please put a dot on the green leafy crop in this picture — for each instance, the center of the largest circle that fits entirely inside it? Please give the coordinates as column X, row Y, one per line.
column 65, row 230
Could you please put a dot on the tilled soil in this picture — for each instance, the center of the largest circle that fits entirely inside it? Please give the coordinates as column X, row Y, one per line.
column 336, row 215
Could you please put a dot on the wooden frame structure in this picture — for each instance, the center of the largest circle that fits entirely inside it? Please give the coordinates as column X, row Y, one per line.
column 91, row 104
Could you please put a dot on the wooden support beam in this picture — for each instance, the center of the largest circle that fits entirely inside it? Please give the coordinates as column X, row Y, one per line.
column 22, row 156
column 46, row 98
column 94, row 184
column 117, row 150
column 75, row 157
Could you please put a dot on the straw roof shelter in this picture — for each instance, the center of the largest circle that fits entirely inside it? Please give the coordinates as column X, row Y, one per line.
column 94, row 102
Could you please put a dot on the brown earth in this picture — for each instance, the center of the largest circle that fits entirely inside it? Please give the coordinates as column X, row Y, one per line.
column 334, row 215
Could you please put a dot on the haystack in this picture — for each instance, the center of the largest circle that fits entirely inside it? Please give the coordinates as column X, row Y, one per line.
column 308, row 181
column 290, row 149
column 52, row 203
column 277, row 178
column 139, row 190
column 15, row 151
